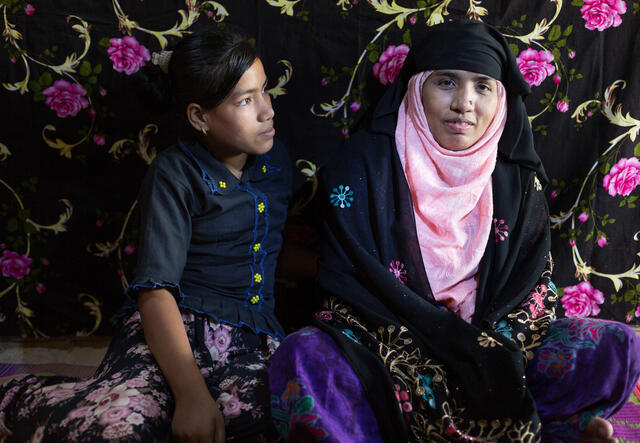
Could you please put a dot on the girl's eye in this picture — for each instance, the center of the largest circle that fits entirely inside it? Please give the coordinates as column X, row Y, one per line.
column 484, row 87
column 446, row 82
column 244, row 101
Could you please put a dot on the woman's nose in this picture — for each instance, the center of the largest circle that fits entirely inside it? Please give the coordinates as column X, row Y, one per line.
column 462, row 100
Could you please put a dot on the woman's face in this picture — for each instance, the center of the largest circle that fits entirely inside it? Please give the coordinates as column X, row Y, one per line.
column 459, row 106
column 243, row 122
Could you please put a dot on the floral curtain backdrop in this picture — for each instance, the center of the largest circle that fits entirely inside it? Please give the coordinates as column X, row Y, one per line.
column 76, row 139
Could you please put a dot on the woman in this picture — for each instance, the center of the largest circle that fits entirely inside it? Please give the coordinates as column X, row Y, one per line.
column 436, row 273
column 190, row 361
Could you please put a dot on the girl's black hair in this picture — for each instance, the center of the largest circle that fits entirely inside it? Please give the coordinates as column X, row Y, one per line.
column 204, row 68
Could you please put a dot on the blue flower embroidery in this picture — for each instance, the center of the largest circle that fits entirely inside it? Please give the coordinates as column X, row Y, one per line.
column 349, row 333
column 504, row 329
column 428, row 391
column 341, row 196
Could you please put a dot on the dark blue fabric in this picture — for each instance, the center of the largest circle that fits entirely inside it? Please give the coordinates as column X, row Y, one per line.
column 212, row 239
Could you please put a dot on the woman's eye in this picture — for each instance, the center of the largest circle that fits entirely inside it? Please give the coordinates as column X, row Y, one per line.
column 484, row 87
column 446, row 83
column 244, row 101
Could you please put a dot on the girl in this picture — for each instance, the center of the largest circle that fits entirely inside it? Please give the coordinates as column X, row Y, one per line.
column 435, row 268
column 190, row 361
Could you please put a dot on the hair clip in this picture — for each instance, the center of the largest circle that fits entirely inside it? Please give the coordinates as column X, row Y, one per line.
column 161, row 59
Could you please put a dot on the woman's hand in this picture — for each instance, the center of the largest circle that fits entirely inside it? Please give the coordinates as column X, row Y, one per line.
column 197, row 418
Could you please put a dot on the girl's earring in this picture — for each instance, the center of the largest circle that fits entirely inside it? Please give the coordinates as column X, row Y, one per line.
column 204, row 131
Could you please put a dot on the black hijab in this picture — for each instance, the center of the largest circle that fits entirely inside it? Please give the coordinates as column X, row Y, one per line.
column 369, row 225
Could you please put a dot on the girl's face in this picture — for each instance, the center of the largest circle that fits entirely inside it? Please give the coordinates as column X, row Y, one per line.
column 243, row 122
column 459, row 106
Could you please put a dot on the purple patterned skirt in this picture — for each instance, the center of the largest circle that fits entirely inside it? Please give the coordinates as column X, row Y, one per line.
column 584, row 368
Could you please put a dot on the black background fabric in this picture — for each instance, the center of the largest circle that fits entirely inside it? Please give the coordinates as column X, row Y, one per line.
column 73, row 286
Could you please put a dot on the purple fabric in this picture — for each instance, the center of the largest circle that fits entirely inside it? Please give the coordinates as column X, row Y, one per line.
column 584, row 368
column 316, row 396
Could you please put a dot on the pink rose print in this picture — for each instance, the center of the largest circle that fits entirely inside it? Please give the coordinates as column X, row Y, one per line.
column 323, row 82
column 602, row 241
column 99, row 139
column 354, row 106
column 67, row 99
column 345, row 132
column 29, row 9
column 135, row 419
column 535, row 66
column 602, row 14
column 572, row 54
column 128, row 250
column 388, row 66
column 127, row 54
column 582, row 300
column 41, row 289
column 83, row 411
column 117, row 430
column 231, row 404
column 14, row 265
column 562, row 106
column 500, row 230
column 583, row 217
column 638, row 310
column 114, row 415
column 146, row 405
column 628, row 318
column 623, row 177
column 557, row 79
column 398, row 270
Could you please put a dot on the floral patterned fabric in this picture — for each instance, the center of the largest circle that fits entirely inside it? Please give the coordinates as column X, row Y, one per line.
column 76, row 139
column 320, row 398
column 128, row 398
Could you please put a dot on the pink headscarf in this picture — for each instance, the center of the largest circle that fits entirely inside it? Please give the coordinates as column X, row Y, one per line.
column 452, row 198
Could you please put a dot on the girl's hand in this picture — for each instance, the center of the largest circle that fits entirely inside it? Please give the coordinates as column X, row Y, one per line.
column 197, row 418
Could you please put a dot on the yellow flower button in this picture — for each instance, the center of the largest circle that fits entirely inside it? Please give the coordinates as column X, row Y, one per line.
column 257, row 278
column 264, row 169
column 256, row 247
column 222, row 184
column 255, row 299
column 261, row 207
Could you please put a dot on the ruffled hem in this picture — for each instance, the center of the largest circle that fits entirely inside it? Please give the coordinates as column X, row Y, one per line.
column 230, row 311
column 233, row 312
column 174, row 288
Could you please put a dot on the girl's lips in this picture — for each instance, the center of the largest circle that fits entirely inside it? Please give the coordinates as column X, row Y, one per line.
column 270, row 133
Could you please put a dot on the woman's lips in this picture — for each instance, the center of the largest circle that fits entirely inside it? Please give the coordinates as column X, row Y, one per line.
column 458, row 126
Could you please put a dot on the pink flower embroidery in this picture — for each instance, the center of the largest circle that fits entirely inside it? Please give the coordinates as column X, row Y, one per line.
column 388, row 66
column 562, row 106
column 41, row 289
column 535, row 66
column 638, row 310
column 324, row 316
column 623, row 177
column 602, row 241
column 67, row 99
column 83, row 411
column 127, row 54
column 557, row 79
column 536, row 301
column 29, row 9
column 582, row 300
column 398, row 270
column 146, row 405
column 128, row 250
column 602, row 14
column 14, row 265
column 354, row 106
column 500, row 230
